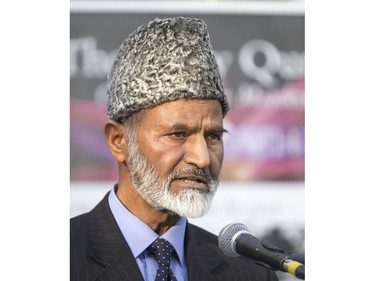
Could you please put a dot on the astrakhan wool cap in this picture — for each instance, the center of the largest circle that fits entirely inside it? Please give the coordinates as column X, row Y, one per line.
column 164, row 60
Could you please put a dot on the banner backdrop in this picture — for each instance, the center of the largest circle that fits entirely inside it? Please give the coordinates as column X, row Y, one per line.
column 261, row 58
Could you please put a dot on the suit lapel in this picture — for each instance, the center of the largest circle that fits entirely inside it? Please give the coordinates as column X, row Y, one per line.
column 109, row 248
column 203, row 261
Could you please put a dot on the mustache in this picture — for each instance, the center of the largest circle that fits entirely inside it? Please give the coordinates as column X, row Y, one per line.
column 192, row 171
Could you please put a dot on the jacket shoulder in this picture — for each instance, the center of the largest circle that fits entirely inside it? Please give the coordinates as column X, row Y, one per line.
column 82, row 264
column 79, row 229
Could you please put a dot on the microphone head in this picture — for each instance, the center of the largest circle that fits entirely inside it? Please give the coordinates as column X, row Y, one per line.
column 228, row 236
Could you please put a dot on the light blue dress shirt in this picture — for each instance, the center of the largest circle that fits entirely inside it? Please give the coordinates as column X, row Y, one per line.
column 139, row 236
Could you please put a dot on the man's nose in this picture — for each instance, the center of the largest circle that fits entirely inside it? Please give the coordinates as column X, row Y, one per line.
column 197, row 152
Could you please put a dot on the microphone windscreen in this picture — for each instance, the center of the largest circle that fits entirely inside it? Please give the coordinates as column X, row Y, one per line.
column 228, row 236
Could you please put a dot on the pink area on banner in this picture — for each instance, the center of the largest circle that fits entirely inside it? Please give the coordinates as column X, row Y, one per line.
column 90, row 157
column 266, row 136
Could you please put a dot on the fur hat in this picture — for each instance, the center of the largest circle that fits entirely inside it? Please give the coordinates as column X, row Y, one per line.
column 164, row 60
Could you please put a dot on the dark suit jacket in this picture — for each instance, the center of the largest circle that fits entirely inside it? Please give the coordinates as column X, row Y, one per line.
column 99, row 252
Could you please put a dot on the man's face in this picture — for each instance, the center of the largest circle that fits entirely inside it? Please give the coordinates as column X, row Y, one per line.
column 176, row 156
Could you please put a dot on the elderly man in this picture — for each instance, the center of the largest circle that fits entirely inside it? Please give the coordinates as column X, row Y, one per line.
column 166, row 106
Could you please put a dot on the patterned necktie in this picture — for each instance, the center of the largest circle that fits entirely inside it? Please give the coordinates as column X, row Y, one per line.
column 162, row 251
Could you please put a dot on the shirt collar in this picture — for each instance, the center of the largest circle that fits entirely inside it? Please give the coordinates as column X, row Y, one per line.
column 131, row 227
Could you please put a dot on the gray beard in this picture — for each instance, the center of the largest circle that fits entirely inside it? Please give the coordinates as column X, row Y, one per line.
column 155, row 191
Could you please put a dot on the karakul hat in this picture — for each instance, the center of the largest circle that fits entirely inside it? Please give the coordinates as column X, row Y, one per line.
column 164, row 60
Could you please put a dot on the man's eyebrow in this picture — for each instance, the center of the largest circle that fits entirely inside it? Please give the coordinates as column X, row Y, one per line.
column 218, row 129
column 182, row 126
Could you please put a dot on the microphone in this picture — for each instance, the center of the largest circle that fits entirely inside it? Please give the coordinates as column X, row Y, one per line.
column 235, row 240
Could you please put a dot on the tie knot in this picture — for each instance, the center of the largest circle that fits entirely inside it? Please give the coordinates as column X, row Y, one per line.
column 161, row 250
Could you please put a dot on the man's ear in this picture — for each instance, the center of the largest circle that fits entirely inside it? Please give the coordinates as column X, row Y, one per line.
column 115, row 137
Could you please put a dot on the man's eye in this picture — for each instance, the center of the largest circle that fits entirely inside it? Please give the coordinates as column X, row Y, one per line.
column 214, row 137
column 179, row 135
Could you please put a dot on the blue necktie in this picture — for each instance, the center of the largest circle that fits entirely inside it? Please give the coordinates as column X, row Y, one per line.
column 162, row 251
